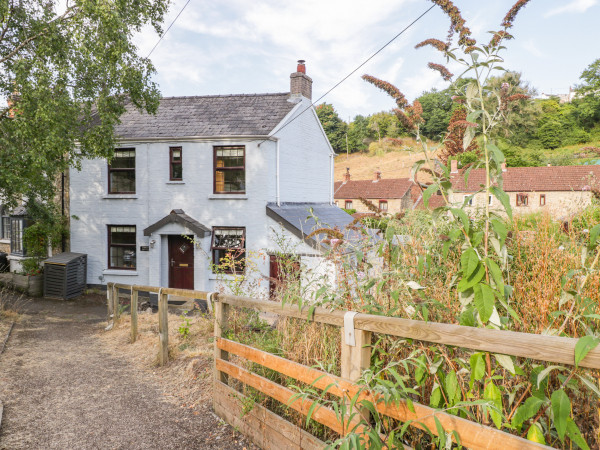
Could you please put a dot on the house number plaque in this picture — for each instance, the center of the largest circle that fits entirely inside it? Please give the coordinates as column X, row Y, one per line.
column 144, row 248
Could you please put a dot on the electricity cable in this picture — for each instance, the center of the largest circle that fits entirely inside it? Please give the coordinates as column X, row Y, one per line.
column 357, row 68
column 167, row 30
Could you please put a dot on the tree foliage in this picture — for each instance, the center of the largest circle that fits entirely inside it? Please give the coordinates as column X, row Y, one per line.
column 69, row 71
column 334, row 127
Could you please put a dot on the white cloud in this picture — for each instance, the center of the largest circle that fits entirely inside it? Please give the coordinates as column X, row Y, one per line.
column 575, row 6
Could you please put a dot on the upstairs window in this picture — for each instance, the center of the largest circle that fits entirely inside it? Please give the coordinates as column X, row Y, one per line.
column 348, row 204
column 522, row 200
column 175, row 164
column 542, row 199
column 229, row 250
column 121, row 172
column 121, row 247
column 230, row 170
column 468, row 200
column 4, row 224
column 383, row 205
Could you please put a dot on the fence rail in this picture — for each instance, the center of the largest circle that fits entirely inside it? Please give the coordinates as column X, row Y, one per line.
column 355, row 358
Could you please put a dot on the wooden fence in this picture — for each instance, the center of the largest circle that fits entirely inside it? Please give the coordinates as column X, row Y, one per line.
column 273, row 432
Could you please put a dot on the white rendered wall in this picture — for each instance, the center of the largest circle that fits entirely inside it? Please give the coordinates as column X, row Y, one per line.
column 304, row 164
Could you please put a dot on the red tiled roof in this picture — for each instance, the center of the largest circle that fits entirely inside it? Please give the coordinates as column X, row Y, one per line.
column 383, row 189
column 435, row 201
column 537, row 179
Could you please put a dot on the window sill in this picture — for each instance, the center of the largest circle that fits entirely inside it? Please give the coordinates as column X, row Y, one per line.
column 119, row 272
column 228, row 197
column 119, row 196
column 4, row 241
column 176, row 182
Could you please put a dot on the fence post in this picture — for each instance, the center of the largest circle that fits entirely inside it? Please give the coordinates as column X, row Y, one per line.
column 163, row 328
column 109, row 300
column 115, row 295
column 221, row 312
column 134, row 314
column 355, row 359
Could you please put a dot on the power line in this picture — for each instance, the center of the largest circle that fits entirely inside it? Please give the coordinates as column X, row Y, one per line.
column 167, row 30
column 355, row 70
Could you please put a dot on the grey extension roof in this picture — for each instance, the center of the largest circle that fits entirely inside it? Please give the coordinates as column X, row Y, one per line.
column 180, row 217
column 297, row 218
column 215, row 115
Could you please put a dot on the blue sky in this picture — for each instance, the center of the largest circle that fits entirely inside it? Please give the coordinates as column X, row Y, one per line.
column 241, row 47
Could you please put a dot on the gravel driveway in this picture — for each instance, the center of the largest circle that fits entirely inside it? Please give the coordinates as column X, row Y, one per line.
column 61, row 389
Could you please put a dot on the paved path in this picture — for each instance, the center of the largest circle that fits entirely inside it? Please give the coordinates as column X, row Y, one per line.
column 62, row 390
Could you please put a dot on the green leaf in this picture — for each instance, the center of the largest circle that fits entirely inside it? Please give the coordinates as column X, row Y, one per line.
column 484, row 301
column 492, row 393
column 496, row 274
column 503, row 198
column 477, row 366
column 526, row 411
column 452, row 388
column 535, row 434
column 594, row 233
column 544, row 373
column 431, row 189
column 462, row 216
column 497, row 154
column 436, row 396
column 506, row 362
column 583, row 347
column 467, row 283
column 440, row 431
column 500, row 228
column 575, row 435
column 590, row 384
column 561, row 408
column 469, row 261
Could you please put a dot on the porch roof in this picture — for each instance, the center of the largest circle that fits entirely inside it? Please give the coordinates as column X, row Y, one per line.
column 180, row 217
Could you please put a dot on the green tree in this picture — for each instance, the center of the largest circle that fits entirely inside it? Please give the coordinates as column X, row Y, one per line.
column 588, row 101
column 335, row 128
column 69, row 75
column 590, row 80
column 437, row 110
column 359, row 134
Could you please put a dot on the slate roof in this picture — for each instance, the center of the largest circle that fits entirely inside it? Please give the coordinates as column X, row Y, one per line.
column 536, row 179
column 385, row 188
column 180, row 217
column 296, row 218
column 215, row 115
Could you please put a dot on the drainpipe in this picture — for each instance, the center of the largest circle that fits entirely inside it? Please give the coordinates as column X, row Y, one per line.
column 331, row 178
column 63, row 243
column 278, row 193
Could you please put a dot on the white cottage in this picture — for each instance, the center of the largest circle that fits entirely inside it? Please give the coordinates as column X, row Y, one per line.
column 203, row 178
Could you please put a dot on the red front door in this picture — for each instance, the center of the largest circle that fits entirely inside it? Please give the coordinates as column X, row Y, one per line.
column 282, row 269
column 181, row 262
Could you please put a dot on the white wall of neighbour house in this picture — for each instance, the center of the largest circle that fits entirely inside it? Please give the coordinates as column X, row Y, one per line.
column 305, row 158
column 304, row 177
column 559, row 204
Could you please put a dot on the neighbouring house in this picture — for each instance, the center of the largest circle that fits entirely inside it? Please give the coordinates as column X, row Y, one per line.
column 562, row 191
column 206, row 182
column 12, row 224
column 390, row 195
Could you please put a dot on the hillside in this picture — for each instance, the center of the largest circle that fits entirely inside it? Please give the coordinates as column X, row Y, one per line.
column 362, row 166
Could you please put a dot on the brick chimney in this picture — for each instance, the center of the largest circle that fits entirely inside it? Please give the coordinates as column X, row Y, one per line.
column 300, row 83
column 503, row 166
column 347, row 175
column 377, row 176
column 453, row 166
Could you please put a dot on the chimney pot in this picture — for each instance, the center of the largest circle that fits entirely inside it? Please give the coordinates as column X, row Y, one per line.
column 454, row 166
column 377, row 175
column 300, row 83
column 347, row 175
